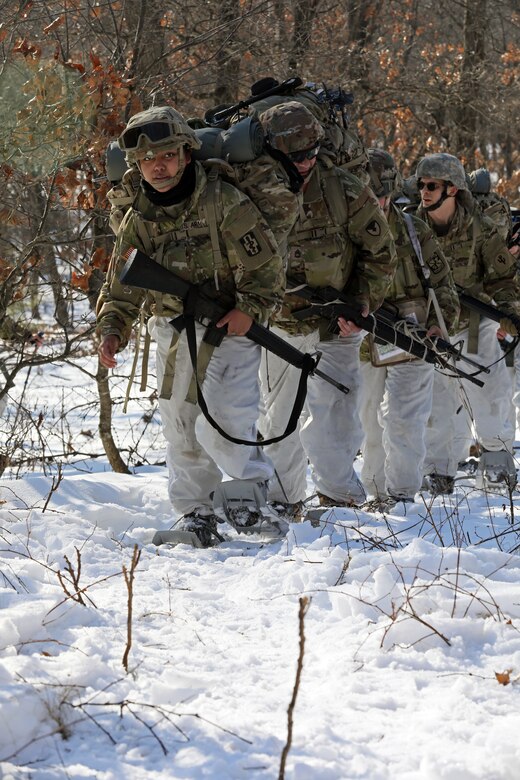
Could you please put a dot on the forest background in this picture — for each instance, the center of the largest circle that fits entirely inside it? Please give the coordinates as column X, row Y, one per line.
column 426, row 77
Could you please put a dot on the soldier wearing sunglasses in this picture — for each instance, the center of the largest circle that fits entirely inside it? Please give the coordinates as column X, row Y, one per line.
column 481, row 264
column 341, row 239
column 207, row 231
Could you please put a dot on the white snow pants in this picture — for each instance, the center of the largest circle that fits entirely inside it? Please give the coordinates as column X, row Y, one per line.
column 330, row 432
column 196, row 453
column 450, row 434
column 395, row 403
column 516, row 385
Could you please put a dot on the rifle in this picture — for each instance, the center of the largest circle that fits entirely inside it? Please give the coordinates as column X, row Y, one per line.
column 486, row 309
column 200, row 305
column 329, row 303
column 278, row 89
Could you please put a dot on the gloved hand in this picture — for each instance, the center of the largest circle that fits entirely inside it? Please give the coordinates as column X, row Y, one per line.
column 508, row 327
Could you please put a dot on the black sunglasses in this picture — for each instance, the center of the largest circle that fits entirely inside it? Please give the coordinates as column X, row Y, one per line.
column 431, row 186
column 305, row 154
column 154, row 131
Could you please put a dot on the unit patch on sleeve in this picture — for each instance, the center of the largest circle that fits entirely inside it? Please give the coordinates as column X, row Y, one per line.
column 435, row 263
column 250, row 244
column 374, row 228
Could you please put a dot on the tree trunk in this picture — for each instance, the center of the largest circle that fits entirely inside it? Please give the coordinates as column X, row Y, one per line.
column 304, row 16
column 228, row 58
column 475, row 23
column 105, row 423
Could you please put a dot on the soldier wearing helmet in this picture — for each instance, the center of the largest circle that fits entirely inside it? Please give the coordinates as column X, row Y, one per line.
column 274, row 180
column 210, row 232
column 482, row 265
column 394, row 431
column 341, row 239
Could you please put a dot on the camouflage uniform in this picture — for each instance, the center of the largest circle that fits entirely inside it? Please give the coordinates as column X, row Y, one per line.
column 264, row 180
column 290, row 127
column 247, row 273
column 491, row 204
column 483, row 266
column 395, row 401
column 341, row 144
column 341, row 239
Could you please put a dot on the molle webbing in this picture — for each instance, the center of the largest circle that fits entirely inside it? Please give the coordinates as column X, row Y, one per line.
column 336, row 205
column 214, row 196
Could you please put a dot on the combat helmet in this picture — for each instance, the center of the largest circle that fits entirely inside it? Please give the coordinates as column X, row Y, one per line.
column 155, row 130
column 443, row 166
column 291, row 128
column 479, row 181
column 384, row 176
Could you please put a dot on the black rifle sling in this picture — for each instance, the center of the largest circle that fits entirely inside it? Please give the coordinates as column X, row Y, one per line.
column 299, row 400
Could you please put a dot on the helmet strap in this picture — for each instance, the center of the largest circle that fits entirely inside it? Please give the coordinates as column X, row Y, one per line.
column 435, row 206
column 174, row 180
column 296, row 180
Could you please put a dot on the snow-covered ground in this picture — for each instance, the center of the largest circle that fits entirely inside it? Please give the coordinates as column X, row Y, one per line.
column 411, row 665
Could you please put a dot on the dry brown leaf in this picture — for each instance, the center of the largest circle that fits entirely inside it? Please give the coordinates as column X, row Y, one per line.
column 504, row 678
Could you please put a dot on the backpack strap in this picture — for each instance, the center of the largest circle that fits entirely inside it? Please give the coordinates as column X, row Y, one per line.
column 432, row 297
column 214, row 197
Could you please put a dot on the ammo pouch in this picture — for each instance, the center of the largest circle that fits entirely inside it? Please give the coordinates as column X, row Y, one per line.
column 384, row 354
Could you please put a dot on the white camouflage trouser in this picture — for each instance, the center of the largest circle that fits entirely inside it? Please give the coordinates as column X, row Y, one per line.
column 516, row 386
column 395, row 403
column 450, row 432
column 330, row 431
column 196, row 453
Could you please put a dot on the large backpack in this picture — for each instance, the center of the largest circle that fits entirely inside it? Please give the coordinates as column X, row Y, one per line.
column 342, row 144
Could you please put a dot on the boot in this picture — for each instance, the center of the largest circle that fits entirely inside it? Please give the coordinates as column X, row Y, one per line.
column 439, row 484
column 195, row 528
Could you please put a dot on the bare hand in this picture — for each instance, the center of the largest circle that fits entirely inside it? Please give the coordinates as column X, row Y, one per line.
column 433, row 331
column 107, row 350
column 238, row 323
column 349, row 328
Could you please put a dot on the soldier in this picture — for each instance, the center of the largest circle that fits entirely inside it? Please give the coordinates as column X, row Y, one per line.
column 396, row 394
column 341, row 239
column 482, row 265
column 207, row 231
column 340, row 140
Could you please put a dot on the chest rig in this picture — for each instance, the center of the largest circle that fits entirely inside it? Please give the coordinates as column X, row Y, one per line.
column 319, row 248
column 180, row 248
column 459, row 245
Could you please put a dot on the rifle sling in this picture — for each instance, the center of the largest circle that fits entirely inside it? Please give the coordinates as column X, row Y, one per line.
column 301, row 393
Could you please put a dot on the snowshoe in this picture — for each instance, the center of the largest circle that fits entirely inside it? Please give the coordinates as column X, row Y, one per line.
column 243, row 503
column 496, row 469
column 199, row 530
column 439, row 484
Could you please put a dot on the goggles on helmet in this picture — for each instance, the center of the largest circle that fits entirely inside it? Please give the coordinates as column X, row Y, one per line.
column 304, row 154
column 155, row 132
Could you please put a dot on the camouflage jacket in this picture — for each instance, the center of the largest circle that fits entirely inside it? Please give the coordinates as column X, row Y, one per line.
column 498, row 210
column 342, row 145
column 479, row 258
column 409, row 283
column 245, row 267
column 341, row 239
column 263, row 180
